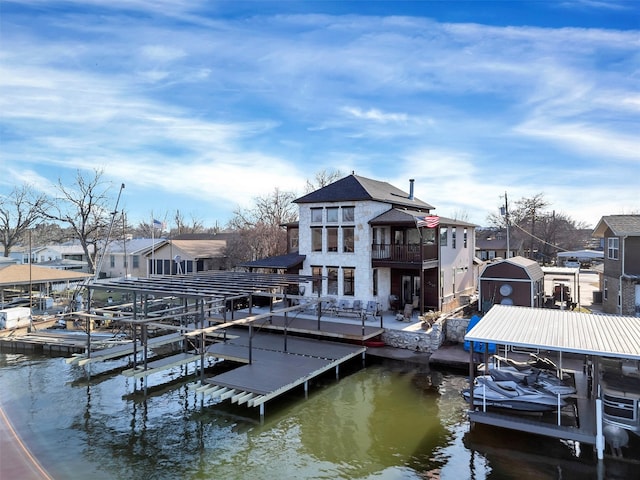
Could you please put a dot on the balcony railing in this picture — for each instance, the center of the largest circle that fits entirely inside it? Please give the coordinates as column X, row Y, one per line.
column 403, row 253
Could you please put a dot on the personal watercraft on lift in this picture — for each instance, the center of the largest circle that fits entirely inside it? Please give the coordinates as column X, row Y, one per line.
column 511, row 395
column 539, row 373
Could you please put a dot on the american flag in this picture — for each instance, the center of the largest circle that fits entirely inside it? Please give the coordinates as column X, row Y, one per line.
column 430, row 221
column 158, row 224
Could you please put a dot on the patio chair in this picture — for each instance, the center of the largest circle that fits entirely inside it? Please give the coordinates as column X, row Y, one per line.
column 357, row 306
column 372, row 309
column 344, row 306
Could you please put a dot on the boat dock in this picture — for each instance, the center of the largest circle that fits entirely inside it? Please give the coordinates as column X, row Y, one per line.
column 271, row 365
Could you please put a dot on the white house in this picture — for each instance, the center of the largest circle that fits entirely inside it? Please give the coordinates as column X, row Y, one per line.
column 370, row 241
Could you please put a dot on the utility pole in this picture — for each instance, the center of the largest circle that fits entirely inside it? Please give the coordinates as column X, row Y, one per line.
column 505, row 212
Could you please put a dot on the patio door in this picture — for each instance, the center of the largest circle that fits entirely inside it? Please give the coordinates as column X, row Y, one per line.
column 410, row 288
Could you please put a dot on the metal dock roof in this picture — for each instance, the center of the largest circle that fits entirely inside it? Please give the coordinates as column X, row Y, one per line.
column 560, row 330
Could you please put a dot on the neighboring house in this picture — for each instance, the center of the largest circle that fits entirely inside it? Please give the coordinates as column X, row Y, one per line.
column 490, row 248
column 514, row 281
column 621, row 274
column 129, row 258
column 187, row 255
column 362, row 237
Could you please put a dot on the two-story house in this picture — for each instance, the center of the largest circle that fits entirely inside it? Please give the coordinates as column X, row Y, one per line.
column 369, row 240
column 621, row 274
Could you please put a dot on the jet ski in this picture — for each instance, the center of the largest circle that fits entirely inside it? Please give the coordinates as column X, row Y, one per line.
column 534, row 378
column 538, row 373
column 511, row 395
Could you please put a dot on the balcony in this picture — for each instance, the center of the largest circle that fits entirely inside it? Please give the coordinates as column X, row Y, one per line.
column 391, row 255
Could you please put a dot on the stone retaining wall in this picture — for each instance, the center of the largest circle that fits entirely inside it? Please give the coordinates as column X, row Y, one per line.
column 428, row 341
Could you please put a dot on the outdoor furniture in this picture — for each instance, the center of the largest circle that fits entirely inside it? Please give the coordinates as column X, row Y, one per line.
column 372, row 309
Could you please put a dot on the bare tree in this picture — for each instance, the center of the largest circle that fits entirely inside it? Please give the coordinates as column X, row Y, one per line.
column 182, row 226
column 84, row 208
column 19, row 211
column 546, row 232
column 322, row 179
column 277, row 208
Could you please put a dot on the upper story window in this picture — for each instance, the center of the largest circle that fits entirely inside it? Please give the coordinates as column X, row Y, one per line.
column 613, row 248
column 332, row 239
column 316, row 239
column 348, row 239
column 332, row 214
column 348, row 214
column 316, row 215
column 444, row 236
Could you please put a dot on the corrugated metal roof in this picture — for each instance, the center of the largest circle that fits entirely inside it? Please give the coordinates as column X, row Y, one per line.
column 560, row 330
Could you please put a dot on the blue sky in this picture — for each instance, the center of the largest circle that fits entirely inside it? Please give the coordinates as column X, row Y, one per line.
column 201, row 106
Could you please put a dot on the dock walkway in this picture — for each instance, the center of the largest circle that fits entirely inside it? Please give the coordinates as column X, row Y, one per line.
column 272, row 366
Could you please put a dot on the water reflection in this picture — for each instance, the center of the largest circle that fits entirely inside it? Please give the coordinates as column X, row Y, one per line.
column 388, row 420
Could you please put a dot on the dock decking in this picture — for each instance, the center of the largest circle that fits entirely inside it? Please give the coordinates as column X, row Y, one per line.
column 273, row 366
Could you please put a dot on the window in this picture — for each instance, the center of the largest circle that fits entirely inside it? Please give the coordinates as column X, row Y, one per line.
column 332, row 215
column 613, row 247
column 444, row 236
column 332, row 280
column 136, row 261
column 293, row 240
column 605, row 289
column 375, row 282
column 348, row 281
column 316, row 286
column 316, row 239
column 464, row 238
column 348, row 243
column 332, row 239
column 453, row 237
column 348, row 214
column 316, row 215
column 112, row 261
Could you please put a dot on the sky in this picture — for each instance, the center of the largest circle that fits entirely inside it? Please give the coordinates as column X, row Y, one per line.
column 203, row 106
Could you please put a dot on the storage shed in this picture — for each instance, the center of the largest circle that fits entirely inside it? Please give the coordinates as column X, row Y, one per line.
column 513, row 281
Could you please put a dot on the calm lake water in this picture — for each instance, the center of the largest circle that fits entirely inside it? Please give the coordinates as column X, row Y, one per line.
column 388, row 420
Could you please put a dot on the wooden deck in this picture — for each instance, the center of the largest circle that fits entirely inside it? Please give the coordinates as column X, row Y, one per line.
column 272, row 366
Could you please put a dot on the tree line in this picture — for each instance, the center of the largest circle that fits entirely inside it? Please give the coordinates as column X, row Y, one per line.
column 83, row 212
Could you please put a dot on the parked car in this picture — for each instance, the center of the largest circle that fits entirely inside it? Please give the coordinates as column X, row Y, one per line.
column 572, row 263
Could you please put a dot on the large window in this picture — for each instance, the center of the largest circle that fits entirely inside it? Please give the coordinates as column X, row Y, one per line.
column 316, row 286
column 316, row 215
column 316, row 239
column 348, row 281
column 332, row 215
column 348, row 214
column 444, row 236
column 332, row 239
column 136, row 261
column 332, row 280
column 613, row 248
column 348, row 241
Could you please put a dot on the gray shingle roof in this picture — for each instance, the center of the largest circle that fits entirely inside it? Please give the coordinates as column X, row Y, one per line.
column 620, row 225
column 357, row 188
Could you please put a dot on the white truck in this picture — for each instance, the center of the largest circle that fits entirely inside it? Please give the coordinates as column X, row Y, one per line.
column 16, row 317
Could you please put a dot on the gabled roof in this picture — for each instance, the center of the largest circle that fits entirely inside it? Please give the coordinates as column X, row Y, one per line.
column 403, row 216
column 281, row 261
column 197, row 249
column 530, row 267
column 135, row 246
column 25, row 274
column 620, row 225
column 354, row 188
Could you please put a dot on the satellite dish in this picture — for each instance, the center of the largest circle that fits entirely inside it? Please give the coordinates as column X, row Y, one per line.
column 177, row 259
